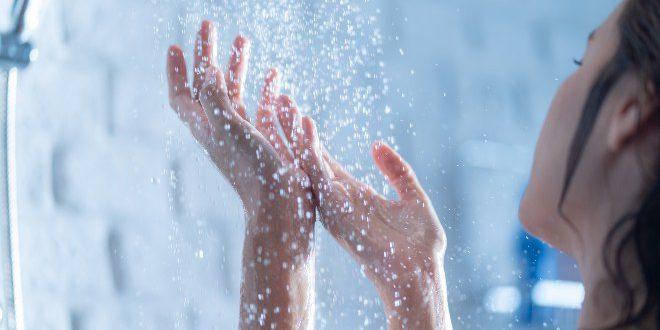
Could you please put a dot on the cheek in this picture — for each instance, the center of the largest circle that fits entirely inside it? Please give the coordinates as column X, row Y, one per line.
column 538, row 208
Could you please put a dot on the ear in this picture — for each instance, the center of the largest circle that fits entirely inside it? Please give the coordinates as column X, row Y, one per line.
column 629, row 120
column 623, row 125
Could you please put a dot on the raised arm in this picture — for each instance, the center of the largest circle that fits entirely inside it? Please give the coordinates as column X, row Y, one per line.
column 277, row 288
column 400, row 244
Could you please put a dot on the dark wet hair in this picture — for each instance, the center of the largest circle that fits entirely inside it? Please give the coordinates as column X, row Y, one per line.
column 639, row 230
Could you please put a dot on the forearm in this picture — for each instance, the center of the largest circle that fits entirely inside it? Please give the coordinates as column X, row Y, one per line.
column 278, row 281
column 418, row 303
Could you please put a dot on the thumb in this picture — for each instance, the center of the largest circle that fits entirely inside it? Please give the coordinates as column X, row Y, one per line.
column 310, row 155
column 215, row 100
column 331, row 195
column 398, row 173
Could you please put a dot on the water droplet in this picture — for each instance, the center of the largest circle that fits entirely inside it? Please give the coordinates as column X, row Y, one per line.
column 199, row 254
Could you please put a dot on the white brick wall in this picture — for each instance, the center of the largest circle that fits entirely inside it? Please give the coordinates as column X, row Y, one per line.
column 118, row 205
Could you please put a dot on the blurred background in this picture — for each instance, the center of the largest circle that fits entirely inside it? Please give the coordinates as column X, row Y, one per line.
column 124, row 223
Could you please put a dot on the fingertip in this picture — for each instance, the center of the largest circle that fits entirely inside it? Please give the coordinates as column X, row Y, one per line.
column 176, row 73
column 311, row 135
column 175, row 56
column 287, row 115
column 175, row 61
column 273, row 74
column 306, row 145
column 207, row 25
column 380, row 149
column 241, row 40
column 286, row 104
column 273, row 80
column 377, row 145
column 205, row 48
column 308, row 126
column 242, row 44
column 388, row 160
column 203, row 34
column 174, row 51
column 271, row 87
column 293, row 114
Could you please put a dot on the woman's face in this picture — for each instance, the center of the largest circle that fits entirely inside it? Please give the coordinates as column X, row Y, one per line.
column 539, row 207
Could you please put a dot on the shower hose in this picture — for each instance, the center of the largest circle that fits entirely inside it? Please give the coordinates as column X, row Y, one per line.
column 11, row 316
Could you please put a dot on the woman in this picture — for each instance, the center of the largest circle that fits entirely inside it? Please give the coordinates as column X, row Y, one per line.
column 593, row 193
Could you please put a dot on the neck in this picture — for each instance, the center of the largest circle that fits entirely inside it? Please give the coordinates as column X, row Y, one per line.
column 604, row 301
column 602, row 306
column 609, row 191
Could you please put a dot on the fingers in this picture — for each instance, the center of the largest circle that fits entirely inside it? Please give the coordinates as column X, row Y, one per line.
column 311, row 159
column 177, row 75
column 266, row 117
column 238, row 64
column 271, row 88
column 227, row 126
column 180, row 96
column 337, row 168
column 397, row 171
column 335, row 197
column 268, row 94
column 215, row 101
column 205, row 55
column 289, row 119
column 237, row 70
column 287, row 111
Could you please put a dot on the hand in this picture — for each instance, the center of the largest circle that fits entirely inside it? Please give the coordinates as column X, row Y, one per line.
column 278, row 255
column 400, row 245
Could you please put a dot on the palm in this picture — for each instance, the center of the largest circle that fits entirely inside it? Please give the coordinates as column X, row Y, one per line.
column 390, row 239
column 254, row 158
column 386, row 237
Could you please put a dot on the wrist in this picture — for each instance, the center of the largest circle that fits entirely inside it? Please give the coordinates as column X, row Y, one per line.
column 417, row 300
column 277, row 289
column 280, row 234
column 278, row 297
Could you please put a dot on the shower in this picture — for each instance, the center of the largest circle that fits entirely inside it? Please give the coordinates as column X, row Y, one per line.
column 15, row 53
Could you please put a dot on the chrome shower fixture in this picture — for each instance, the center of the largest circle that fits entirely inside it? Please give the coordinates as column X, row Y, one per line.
column 16, row 52
column 23, row 19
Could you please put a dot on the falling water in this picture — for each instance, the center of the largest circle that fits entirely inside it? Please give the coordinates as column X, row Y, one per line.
column 330, row 54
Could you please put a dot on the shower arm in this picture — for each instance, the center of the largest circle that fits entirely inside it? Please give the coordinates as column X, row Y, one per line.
column 18, row 16
column 15, row 50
